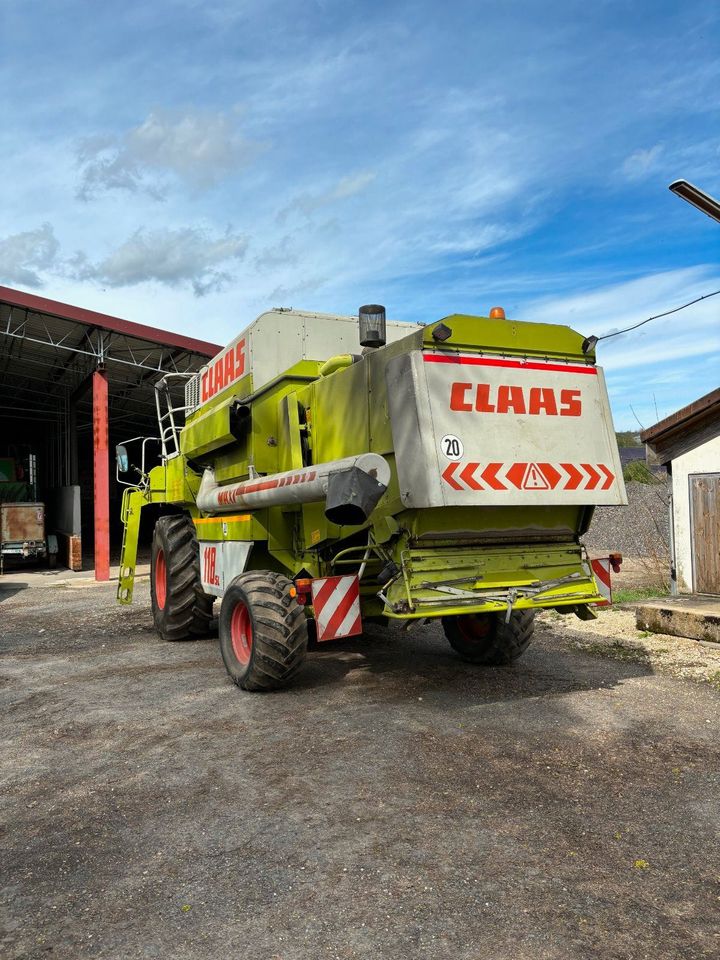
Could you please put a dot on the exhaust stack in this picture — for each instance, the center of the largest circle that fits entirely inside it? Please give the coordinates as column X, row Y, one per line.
column 372, row 325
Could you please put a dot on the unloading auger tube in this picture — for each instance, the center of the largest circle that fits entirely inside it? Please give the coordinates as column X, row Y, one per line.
column 351, row 489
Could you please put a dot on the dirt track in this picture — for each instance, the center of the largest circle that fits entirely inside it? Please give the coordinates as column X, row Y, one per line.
column 395, row 803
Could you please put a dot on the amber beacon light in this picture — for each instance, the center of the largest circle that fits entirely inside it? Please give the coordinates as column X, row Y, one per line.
column 497, row 313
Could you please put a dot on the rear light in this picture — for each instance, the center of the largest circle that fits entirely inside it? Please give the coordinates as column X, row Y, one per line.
column 615, row 561
column 303, row 586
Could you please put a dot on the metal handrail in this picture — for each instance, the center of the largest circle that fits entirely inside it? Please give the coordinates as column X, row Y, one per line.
column 144, row 479
column 169, row 433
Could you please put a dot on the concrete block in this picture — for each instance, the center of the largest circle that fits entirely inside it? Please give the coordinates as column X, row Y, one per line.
column 697, row 618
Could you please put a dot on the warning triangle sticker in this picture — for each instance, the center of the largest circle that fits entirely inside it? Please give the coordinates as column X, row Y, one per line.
column 534, row 478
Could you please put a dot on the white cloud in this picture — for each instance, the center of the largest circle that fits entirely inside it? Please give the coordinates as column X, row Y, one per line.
column 186, row 256
column 471, row 240
column 284, row 295
column 309, row 203
column 672, row 360
column 616, row 305
column 198, row 147
column 278, row 256
column 405, row 176
column 23, row 256
column 642, row 162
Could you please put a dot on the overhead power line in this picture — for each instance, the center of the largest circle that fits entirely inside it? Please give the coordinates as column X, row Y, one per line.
column 589, row 342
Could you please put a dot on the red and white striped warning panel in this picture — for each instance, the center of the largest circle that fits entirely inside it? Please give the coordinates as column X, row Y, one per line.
column 528, row 476
column 336, row 602
column 601, row 572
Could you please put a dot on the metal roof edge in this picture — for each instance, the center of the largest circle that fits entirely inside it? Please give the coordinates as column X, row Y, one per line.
column 65, row 311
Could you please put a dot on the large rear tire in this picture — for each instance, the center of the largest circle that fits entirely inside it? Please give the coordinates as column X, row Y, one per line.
column 485, row 637
column 181, row 609
column 263, row 631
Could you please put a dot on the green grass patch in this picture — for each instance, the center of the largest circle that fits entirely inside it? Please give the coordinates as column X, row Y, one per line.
column 642, row 593
column 638, row 471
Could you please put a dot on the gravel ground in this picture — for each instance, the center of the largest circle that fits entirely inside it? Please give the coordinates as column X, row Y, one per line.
column 640, row 529
column 395, row 803
column 615, row 635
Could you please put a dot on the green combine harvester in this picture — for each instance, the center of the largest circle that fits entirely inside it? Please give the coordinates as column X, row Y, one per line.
column 446, row 470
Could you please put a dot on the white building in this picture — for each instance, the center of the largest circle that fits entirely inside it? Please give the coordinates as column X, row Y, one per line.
column 688, row 443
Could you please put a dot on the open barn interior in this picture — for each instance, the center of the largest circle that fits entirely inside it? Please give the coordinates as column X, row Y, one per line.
column 74, row 384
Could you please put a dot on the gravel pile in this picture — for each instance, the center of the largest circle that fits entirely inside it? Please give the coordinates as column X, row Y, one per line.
column 641, row 529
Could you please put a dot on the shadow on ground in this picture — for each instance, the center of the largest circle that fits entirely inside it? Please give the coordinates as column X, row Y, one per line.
column 9, row 590
column 394, row 804
column 410, row 664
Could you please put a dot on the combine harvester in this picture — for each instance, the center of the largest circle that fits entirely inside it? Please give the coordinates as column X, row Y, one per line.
column 447, row 471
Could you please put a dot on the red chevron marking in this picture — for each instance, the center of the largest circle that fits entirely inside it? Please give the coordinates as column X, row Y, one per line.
column 552, row 475
column 448, row 477
column 466, row 474
column 574, row 475
column 516, row 474
column 593, row 474
column 489, row 476
column 610, row 477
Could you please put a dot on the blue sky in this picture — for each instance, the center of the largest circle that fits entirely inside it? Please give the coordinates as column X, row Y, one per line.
column 190, row 163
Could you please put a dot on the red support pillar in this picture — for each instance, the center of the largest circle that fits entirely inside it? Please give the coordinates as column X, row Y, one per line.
column 101, row 475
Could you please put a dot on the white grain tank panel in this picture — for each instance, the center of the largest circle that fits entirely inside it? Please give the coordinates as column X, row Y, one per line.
column 276, row 341
column 472, row 430
column 326, row 336
column 231, row 365
column 397, row 329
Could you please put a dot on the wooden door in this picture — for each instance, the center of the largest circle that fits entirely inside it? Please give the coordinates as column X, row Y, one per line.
column 705, row 520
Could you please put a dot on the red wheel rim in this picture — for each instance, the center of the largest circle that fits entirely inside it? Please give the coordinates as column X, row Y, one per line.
column 160, row 579
column 241, row 633
column 474, row 627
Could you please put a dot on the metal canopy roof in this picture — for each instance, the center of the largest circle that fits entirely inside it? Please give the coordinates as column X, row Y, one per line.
column 48, row 350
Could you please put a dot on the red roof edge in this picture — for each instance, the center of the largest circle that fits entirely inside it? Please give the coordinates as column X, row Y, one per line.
column 681, row 417
column 29, row 301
